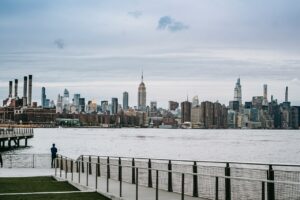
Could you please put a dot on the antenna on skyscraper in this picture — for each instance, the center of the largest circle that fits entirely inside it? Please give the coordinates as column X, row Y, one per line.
column 142, row 75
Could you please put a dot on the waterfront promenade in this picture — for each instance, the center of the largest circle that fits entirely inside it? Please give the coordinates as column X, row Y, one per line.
column 11, row 137
column 144, row 178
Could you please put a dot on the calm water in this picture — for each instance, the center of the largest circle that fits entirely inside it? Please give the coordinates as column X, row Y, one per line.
column 276, row 146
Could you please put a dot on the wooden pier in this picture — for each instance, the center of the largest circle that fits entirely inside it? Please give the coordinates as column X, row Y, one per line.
column 11, row 137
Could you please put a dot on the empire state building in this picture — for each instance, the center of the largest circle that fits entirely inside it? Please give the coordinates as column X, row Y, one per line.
column 142, row 95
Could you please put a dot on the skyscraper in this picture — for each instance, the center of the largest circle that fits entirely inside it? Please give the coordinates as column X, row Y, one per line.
column 114, row 106
column 186, row 108
column 195, row 101
column 43, row 97
column 76, row 101
column 238, row 91
column 265, row 101
column 125, row 100
column 29, row 102
column 142, row 95
column 81, row 105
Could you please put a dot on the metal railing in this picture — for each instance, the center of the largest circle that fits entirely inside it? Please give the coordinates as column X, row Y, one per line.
column 177, row 179
column 42, row 161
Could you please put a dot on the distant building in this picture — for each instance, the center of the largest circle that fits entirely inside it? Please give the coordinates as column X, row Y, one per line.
column 238, row 92
column 195, row 101
column 125, row 100
column 81, row 105
column 265, row 100
column 142, row 95
column 104, row 106
column 59, row 104
column 114, row 106
column 173, row 105
column 43, row 97
column 257, row 102
column 186, row 107
column 76, row 101
column 153, row 106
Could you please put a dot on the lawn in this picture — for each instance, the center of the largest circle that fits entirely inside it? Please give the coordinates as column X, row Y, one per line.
column 42, row 184
column 33, row 184
column 70, row 196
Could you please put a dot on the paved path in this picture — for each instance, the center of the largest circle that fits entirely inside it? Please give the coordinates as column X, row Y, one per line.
column 25, row 172
column 128, row 190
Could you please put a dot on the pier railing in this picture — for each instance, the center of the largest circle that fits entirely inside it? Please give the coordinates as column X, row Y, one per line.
column 15, row 132
column 197, row 179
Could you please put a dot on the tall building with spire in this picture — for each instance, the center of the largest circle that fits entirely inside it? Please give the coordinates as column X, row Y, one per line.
column 142, row 95
column 238, row 92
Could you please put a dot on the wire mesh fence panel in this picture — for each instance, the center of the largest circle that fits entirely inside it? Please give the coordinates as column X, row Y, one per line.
column 206, row 186
column 211, row 170
column 143, row 172
column 27, row 161
column 248, row 173
column 114, row 169
column 163, row 176
column 246, row 189
column 127, row 171
column 103, row 166
column 291, row 176
column 42, row 161
column 284, row 191
column 176, row 177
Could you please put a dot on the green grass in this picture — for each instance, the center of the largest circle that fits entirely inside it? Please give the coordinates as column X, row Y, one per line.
column 71, row 196
column 33, row 184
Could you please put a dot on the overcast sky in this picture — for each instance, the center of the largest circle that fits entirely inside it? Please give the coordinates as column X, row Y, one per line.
column 195, row 47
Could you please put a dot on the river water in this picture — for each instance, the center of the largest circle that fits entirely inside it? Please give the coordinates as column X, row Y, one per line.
column 268, row 146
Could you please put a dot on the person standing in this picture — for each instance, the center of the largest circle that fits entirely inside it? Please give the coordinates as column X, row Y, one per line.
column 53, row 155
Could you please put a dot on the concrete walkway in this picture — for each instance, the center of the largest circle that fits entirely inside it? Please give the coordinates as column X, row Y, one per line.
column 25, row 172
column 128, row 190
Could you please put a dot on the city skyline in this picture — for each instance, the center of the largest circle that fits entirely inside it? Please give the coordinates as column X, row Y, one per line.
column 216, row 42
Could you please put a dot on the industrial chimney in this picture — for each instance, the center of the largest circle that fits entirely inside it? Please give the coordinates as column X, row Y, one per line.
column 16, row 88
column 29, row 90
column 286, row 94
column 10, row 89
column 25, row 91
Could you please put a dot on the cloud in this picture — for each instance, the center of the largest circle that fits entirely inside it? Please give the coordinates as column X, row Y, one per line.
column 166, row 22
column 60, row 44
column 135, row 14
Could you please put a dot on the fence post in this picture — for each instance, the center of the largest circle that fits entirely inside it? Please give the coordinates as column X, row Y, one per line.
column 90, row 165
column 87, row 175
column 32, row 160
column 156, row 190
column 120, row 176
column 263, row 195
column 99, row 166
column 149, row 174
column 137, row 184
column 133, row 171
column 170, row 185
column 182, row 187
column 217, row 189
column 79, row 170
column 96, row 176
column 66, row 169
column 108, row 168
column 77, row 166
column 72, row 169
column 227, row 183
column 61, row 165
column 195, row 180
column 55, row 165
column 271, row 186
column 82, row 165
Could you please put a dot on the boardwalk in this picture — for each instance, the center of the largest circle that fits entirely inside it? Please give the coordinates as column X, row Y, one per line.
column 15, row 135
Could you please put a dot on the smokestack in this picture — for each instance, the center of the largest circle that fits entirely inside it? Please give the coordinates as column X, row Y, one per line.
column 16, row 88
column 10, row 89
column 286, row 94
column 25, row 91
column 29, row 90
